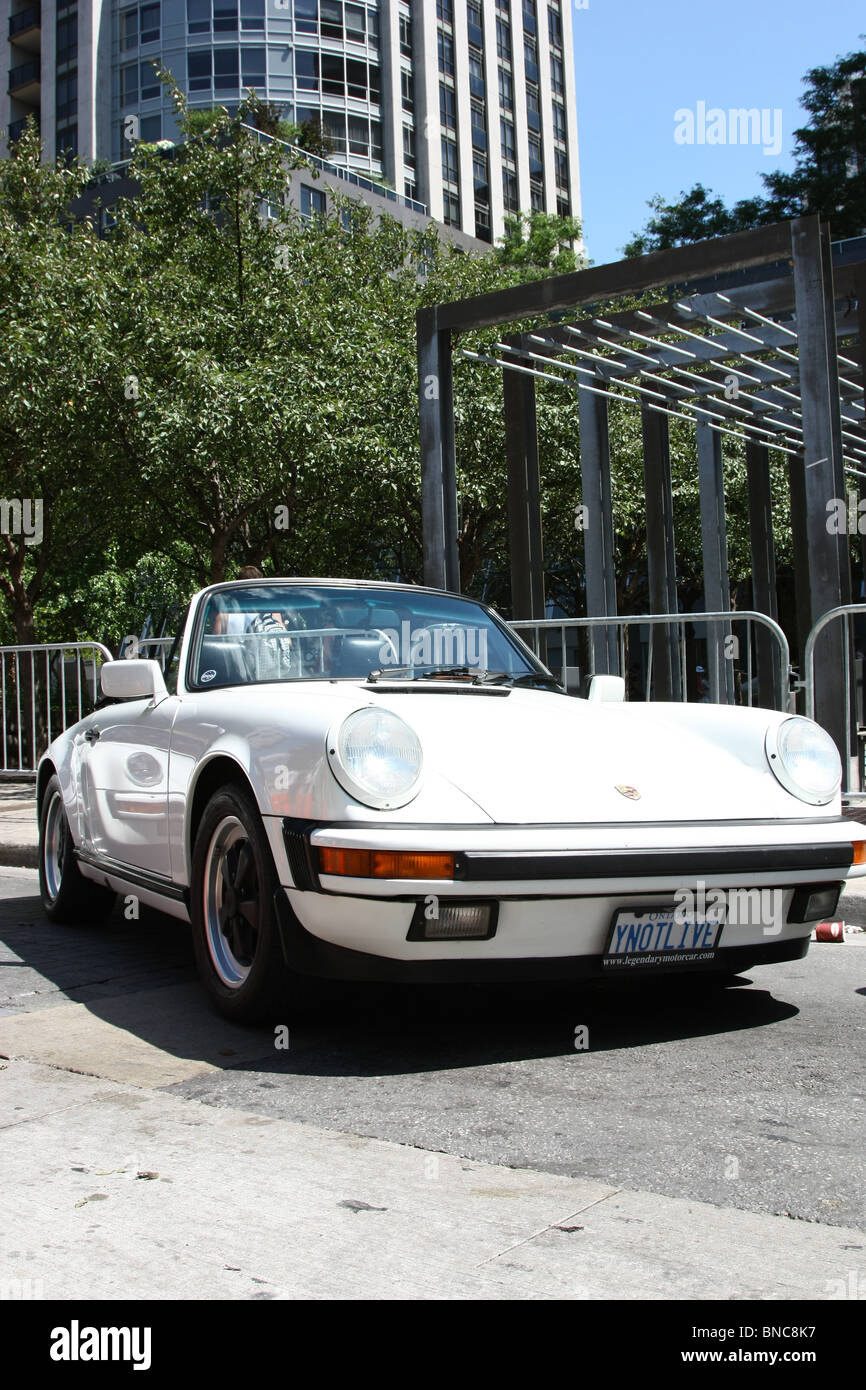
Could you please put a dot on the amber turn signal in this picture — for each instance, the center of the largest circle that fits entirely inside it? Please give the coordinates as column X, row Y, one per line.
column 375, row 863
column 859, row 852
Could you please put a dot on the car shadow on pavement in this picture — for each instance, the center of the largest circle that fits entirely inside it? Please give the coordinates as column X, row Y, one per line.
column 138, row 977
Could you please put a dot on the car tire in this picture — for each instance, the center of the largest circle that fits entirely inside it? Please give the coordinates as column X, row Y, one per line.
column 234, row 921
column 67, row 896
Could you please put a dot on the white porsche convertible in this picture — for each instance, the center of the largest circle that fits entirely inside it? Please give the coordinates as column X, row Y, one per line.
column 377, row 781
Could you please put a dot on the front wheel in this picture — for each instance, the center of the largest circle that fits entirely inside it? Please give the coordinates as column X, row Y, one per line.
column 67, row 896
column 234, row 920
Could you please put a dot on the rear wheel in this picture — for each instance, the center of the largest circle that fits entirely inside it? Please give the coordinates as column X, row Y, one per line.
column 67, row 896
column 235, row 931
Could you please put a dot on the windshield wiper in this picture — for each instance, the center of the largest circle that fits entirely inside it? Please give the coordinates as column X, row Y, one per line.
column 528, row 678
column 435, row 673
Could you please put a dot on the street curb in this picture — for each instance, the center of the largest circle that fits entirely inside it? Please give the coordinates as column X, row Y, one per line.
column 19, row 856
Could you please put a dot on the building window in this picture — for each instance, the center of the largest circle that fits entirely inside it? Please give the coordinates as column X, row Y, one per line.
column 334, row 126
column 445, row 46
column 476, row 72
column 449, row 160
column 128, row 85
column 532, row 102
column 376, row 140
column 554, row 27
column 506, row 90
column 536, row 161
column 450, row 208
column 253, row 67
column 198, row 69
column 312, row 202
column 198, row 16
column 479, row 175
column 149, row 82
column 445, row 11
column 225, row 70
column 561, row 169
column 67, row 95
column 408, row 146
column 506, row 139
column 509, row 191
column 410, row 188
column 405, row 36
column 530, row 58
column 359, row 135
column 482, row 222
column 67, row 38
column 306, row 16
column 356, row 23
column 503, row 40
column 407, row 88
column 563, row 207
column 479, row 127
column 306, row 70
column 536, row 197
column 151, row 128
column 225, row 16
column 557, row 79
column 331, row 19
column 447, row 107
column 559, row 129
column 252, row 14
column 67, row 142
column 473, row 13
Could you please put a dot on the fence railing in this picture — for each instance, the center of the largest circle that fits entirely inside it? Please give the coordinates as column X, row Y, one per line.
column 855, row 697
column 717, row 667
column 43, row 689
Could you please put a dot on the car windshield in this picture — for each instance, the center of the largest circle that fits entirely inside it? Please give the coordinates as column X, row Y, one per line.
column 250, row 634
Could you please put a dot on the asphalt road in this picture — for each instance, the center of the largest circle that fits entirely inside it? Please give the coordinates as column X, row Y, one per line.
column 749, row 1098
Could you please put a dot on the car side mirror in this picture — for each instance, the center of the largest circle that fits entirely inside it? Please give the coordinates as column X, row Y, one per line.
column 611, row 689
column 133, row 680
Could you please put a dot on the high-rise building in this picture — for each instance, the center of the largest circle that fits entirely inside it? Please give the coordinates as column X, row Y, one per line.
column 464, row 106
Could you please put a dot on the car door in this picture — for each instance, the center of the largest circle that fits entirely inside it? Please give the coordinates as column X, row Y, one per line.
column 124, row 750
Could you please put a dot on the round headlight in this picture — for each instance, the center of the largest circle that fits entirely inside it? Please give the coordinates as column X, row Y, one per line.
column 376, row 758
column 805, row 760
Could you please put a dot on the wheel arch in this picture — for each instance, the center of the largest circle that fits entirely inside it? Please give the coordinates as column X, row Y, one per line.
column 218, row 771
column 45, row 772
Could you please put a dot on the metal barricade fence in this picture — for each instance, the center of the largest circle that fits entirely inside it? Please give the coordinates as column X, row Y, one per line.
column 854, row 769
column 44, row 688
column 728, row 665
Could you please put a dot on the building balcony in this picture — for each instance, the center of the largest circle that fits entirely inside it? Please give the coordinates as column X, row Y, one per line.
column 16, row 128
column 25, row 27
column 24, row 82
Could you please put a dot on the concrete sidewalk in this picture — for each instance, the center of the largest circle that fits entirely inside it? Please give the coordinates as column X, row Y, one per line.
column 120, row 1191
column 19, row 833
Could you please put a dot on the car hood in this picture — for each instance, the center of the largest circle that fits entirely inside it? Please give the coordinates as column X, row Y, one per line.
column 535, row 756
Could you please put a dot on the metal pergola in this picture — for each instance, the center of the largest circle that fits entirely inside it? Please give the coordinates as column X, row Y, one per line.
column 759, row 336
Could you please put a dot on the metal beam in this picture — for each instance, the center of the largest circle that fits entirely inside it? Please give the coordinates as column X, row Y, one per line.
column 598, row 552
column 524, row 497
column 763, row 554
column 823, row 477
column 714, row 545
column 700, row 259
column 438, row 464
column 661, row 557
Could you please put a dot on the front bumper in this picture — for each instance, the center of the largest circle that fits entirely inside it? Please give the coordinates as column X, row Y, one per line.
column 556, row 902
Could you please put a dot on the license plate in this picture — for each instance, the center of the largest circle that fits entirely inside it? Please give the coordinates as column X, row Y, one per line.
column 660, row 936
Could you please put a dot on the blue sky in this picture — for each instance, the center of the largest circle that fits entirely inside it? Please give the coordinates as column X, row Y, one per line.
column 637, row 63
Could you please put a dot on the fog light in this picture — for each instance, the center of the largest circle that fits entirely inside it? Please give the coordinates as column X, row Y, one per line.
column 436, row 919
column 814, row 904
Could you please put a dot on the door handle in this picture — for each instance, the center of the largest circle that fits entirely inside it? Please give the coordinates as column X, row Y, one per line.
column 91, row 734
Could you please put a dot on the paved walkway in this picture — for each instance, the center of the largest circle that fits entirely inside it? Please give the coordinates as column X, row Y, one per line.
column 19, row 833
